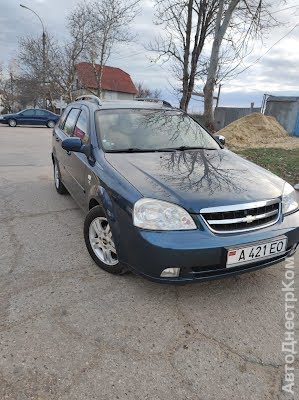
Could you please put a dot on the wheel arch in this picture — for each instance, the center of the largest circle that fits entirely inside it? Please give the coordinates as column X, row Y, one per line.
column 93, row 203
column 99, row 196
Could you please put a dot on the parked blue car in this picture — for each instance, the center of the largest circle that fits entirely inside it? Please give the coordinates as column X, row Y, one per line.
column 164, row 198
column 32, row 116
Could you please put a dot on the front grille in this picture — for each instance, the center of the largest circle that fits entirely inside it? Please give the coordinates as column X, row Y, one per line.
column 242, row 217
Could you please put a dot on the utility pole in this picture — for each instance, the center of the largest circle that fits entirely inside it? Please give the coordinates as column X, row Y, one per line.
column 218, row 97
column 43, row 54
column 44, row 71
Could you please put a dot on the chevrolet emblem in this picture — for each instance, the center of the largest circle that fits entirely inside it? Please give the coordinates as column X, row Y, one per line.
column 250, row 218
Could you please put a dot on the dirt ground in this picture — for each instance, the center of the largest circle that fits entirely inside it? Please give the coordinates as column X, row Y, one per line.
column 258, row 131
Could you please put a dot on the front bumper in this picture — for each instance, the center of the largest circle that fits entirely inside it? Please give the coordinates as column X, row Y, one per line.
column 200, row 254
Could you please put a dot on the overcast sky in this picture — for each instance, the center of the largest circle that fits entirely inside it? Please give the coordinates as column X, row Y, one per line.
column 276, row 72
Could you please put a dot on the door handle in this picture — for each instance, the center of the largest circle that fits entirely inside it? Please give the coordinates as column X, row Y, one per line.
column 69, row 153
column 57, row 139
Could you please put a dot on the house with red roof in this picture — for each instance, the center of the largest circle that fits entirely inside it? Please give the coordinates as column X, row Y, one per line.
column 115, row 83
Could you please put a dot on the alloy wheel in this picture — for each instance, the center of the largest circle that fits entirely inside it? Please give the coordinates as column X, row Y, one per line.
column 101, row 241
column 56, row 176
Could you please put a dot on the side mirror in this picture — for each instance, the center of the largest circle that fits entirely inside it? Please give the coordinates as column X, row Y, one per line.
column 220, row 139
column 73, row 144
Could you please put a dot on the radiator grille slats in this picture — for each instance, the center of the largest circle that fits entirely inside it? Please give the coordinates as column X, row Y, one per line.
column 242, row 217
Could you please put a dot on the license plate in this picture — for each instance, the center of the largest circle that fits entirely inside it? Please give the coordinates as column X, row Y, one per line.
column 245, row 255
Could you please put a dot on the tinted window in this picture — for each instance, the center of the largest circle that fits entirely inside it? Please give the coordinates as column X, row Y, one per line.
column 41, row 113
column 70, row 121
column 150, row 130
column 63, row 118
column 81, row 128
column 28, row 113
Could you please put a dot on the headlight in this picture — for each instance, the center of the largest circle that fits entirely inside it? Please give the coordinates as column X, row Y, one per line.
column 289, row 201
column 161, row 216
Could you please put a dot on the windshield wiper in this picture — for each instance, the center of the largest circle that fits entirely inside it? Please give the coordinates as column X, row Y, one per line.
column 183, row 148
column 131, row 150
column 138, row 150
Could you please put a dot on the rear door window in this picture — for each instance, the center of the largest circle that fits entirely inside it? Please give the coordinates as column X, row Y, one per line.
column 41, row 113
column 63, row 118
column 81, row 128
column 71, row 121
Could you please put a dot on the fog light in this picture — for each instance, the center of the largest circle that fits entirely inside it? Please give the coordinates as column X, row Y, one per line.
column 170, row 273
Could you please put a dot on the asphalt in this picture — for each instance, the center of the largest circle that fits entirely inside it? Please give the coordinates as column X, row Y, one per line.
column 71, row 331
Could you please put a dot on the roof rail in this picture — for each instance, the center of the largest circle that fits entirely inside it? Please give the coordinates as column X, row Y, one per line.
column 90, row 97
column 154, row 100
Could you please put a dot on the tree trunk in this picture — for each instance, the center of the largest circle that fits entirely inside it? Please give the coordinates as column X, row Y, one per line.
column 184, row 100
column 100, row 77
column 220, row 30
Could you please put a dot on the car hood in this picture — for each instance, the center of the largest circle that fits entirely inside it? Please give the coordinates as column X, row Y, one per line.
column 197, row 178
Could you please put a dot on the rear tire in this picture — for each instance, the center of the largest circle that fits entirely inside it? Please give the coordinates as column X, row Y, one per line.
column 51, row 124
column 59, row 186
column 100, row 243
column 12, row 123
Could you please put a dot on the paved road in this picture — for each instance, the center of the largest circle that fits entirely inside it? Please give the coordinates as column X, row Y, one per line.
column 70, row 331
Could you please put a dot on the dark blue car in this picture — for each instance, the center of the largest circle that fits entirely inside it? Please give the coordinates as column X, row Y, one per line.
column 31, row 116
column 166, row 199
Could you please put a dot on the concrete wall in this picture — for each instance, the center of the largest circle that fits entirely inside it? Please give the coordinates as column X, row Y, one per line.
column 226, row 115
column 199, row 118
column 285, row 110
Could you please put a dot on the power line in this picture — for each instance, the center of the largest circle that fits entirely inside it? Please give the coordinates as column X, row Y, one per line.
column 263, row 55
column 128, row 56
column 284, row 9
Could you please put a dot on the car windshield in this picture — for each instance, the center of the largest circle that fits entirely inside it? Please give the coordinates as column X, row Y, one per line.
column 134, row 130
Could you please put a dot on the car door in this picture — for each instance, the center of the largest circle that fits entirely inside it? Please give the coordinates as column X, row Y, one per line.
column 27, row 117
column 77, row 163
column 63, row 130
column 41, row 117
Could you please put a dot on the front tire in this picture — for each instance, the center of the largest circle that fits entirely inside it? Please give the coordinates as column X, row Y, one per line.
column 59, row 186
column 100, row 243
column 12, row 123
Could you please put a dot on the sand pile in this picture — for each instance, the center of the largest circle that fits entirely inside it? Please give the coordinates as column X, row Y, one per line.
column 254, row 130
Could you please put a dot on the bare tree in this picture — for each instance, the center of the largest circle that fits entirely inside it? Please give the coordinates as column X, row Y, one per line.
column 9, row 88
column 61, row 59
column 240, row 20
column 145, row 92
column 108, row 24
column 94, row 29
column 28, row 92
column 186, row 25
column 81, row 31
column 33, row 69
